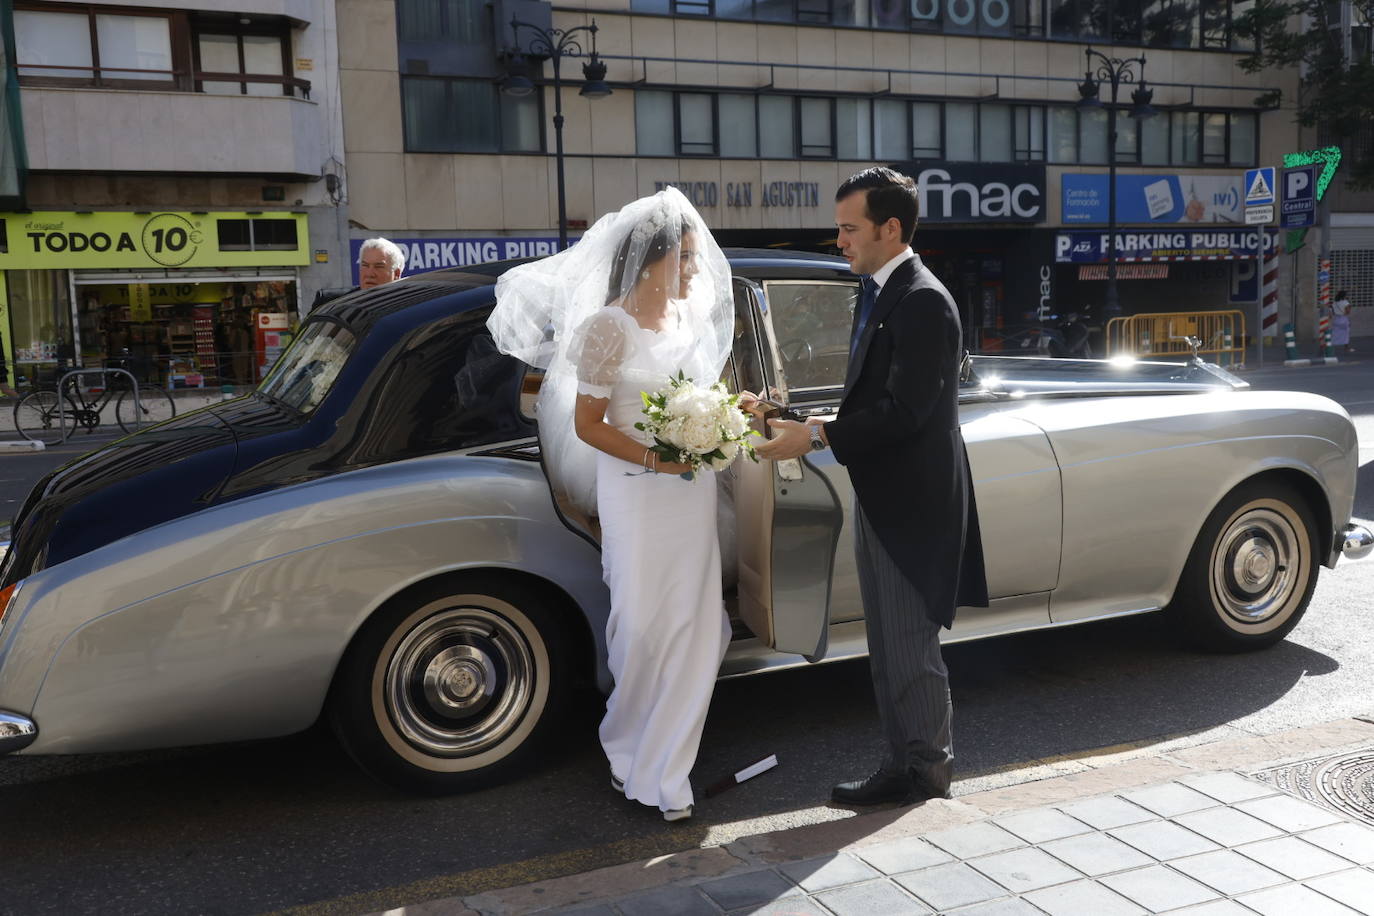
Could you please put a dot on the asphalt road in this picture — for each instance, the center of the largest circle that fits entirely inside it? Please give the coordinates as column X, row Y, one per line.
column 289, row 823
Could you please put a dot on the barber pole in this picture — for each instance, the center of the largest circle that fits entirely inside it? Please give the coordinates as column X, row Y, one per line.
column 1269, row 297
column 1324, row 334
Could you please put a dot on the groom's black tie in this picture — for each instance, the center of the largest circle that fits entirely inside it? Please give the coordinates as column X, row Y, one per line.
column 867, row 298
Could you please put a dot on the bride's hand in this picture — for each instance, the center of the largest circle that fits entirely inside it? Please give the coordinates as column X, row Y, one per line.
column 671, row 467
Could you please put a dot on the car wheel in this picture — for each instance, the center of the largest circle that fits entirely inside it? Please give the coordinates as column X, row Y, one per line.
column 453, row 685
column 1251, row 572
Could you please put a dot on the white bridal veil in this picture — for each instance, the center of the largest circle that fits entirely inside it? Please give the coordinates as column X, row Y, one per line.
column 549, row 314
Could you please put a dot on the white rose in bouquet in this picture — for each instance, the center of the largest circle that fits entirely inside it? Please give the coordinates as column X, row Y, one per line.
column 698, row 427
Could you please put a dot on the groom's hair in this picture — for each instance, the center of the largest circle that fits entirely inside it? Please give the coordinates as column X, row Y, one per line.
column 889, row 194
column 655, row 250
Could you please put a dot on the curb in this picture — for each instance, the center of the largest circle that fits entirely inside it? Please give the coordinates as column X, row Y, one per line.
column 1110, row 771
column 1314, row 361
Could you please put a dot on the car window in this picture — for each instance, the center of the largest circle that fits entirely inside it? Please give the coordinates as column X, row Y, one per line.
column 812, row 320
column 745, row 357
column 304, row 374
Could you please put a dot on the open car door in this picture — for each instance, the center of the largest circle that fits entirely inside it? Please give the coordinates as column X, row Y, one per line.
column 788, row 516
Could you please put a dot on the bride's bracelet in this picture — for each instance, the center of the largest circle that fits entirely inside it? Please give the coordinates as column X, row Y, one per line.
column 647, row 453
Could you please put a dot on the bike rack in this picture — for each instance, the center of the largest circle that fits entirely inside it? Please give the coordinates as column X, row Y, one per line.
column 62, row 384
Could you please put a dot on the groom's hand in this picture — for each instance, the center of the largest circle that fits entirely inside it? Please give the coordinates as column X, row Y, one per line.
column 790, row 440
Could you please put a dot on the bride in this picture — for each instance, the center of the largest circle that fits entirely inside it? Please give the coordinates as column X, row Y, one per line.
column 644, row 295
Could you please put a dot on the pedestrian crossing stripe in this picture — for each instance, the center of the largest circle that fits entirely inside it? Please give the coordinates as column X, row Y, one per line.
column 1259, row 189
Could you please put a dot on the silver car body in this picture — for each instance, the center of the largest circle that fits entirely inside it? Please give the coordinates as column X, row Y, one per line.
column 229, row 623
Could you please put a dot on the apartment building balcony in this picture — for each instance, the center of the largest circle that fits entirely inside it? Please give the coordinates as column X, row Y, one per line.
column 136, row 130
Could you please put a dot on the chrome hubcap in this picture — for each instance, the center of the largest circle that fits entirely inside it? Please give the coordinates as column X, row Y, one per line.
column 1254, row 574
column 460, row 682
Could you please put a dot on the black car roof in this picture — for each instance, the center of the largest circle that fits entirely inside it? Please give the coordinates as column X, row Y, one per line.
column 362, row 309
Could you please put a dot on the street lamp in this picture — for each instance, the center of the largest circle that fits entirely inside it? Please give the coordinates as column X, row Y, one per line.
column 554, row 44
column 1116, row 71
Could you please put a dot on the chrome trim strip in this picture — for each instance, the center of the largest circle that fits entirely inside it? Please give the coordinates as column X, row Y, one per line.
column 849, row 640
column 1356, row 542
column 16, row 732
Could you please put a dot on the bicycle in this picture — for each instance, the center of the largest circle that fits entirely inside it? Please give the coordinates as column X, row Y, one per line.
column 36, row 416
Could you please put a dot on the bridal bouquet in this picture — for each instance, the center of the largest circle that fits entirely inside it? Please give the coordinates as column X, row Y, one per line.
column 701, row 427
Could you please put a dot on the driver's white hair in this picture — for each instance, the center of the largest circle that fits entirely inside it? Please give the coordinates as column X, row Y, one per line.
column 395, row 255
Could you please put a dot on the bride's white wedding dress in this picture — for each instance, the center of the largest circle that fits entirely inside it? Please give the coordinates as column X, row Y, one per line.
column 668, row 630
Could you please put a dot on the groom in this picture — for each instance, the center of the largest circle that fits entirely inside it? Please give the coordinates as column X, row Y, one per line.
column 916, row 536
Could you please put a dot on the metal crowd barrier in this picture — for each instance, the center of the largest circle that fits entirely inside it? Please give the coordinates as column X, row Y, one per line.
column 1222, row 334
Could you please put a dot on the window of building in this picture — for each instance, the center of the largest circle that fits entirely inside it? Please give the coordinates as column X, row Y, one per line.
column 257, row 235
column 1092, row 135
column 1186, row 129
column 696, row 112
column 891, row 134
column 1154, row 140
column 1243, row 138
column 777, row 128
column 463, row 21
column 94, row 47
column 262, row 60
column 994, row 133
column 927, row 140
column 1214, row 145
column 817, row 127
column 443, row 115
column 961, row 131
column 654, row 123
column 738, row 126
column 1063, row 139
column 1127, row 139
column 1030, row 133
column 854, row 129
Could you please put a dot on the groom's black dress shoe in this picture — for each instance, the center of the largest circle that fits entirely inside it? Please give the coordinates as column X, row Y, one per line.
column 877, row 789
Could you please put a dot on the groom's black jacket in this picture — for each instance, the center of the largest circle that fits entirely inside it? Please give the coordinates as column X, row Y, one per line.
column 898, row 434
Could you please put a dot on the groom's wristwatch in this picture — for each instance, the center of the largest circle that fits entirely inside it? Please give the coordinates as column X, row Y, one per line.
column 817, row 443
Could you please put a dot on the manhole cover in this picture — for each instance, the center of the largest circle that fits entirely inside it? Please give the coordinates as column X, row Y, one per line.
column 1344, row 783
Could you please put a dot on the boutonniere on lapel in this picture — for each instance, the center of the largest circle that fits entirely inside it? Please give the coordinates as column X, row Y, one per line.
column 879, row 327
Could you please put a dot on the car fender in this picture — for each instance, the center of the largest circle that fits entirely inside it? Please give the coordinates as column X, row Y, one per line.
column 228, row 624
column 1141, row 475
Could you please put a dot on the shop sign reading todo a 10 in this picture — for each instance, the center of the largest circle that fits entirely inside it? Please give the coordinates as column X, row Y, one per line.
column 67, row 240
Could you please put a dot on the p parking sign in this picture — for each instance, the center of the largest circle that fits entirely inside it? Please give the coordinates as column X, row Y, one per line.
column 1299, row 204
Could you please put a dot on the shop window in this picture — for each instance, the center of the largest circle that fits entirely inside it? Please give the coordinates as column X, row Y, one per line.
column 817, row 127
column 654, row 123
column 90, row 48
column 1154, row 140
column 442, row 115
column 261, row 60
column 257, row 235
column 738, row 136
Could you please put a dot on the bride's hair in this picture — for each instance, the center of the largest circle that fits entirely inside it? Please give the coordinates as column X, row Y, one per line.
column 654, row 250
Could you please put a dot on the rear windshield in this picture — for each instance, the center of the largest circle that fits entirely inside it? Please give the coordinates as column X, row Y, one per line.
column 304, row 374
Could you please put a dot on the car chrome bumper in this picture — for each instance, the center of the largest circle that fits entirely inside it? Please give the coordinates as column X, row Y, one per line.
column 1356, row 542
column 16, row 732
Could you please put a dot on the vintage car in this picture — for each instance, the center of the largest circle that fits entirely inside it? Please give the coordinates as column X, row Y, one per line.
column 369, row 536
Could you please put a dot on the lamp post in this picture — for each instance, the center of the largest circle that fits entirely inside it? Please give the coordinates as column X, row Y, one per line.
column 554, row 44
column 1115, row 71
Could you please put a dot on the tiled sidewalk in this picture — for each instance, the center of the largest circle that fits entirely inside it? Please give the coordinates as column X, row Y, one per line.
column 1209, row 844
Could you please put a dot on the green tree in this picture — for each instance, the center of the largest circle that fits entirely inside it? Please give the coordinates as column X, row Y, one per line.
column 1334, row 93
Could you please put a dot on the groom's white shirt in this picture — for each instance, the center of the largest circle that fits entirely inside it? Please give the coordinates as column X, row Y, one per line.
column 881, row 275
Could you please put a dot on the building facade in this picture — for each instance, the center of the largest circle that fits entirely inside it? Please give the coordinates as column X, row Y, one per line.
column 757, row 109
column 178, row 193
